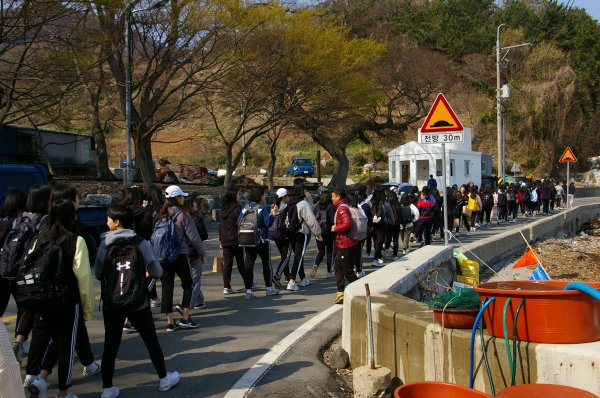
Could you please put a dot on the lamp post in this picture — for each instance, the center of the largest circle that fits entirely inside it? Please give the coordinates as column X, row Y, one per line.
column 128, row 16
column 499, row 95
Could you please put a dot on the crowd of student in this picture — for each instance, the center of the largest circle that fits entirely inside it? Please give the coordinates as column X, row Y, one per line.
column 393, row 222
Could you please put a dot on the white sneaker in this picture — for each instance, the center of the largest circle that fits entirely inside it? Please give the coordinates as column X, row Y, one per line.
column 395, row 258
column 330, row 275
column 92, row 369
column 469, row 233
column 292, row 286
column 271, row 291
column 377, row 264
column 254, row 284
column 39, row 387
column 360, row 274
column 404, row 251
column 369, row 256
column 380, row 261
column 227, row 290
column 169, row 381
column 304, row 282
column 156, row 303
column 112, row 392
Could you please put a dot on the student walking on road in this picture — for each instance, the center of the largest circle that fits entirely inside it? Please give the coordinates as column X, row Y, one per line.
column 120, row 221
column 265, row 220
column 282, row 241
column 186, row 233
column 230, row 213
column 324, row 212
column 346, row 246
column 301, row 223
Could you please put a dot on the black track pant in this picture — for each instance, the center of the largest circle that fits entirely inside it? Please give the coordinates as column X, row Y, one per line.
column 229, row 253
column 325, row 247
column 182, row 269
column 55, row 336
column 299, row 242
column 113, row 331
column 250, row 253
column 285, row 251
column 344, row 266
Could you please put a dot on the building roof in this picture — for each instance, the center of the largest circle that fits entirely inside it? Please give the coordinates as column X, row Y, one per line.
column 32, row 129
column 415, row 148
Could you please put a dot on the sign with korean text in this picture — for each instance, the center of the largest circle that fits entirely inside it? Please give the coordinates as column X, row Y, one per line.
column 441, row 124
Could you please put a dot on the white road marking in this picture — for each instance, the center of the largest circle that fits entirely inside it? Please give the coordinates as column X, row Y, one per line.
column 245, row 384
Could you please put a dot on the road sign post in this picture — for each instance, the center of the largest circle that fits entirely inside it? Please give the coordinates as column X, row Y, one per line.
column 441, row 126
column 568, row 157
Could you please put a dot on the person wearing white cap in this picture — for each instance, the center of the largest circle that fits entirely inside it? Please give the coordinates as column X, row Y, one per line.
column 283, row 243
column 187, row 233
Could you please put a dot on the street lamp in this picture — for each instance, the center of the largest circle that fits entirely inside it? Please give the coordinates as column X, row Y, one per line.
column 128, row 16
column 499, row 95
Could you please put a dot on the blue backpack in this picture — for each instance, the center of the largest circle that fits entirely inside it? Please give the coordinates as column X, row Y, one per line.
column 164, row 239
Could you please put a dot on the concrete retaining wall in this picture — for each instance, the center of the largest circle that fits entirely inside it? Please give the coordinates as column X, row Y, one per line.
column 416, row 348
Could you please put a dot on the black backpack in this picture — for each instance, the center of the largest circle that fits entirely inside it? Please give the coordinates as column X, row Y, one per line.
column 276, row 229
column 488, row 201
column 13, row 248
column 44, row 280
column 5, row 228
column 511, row 196
column 124, row 284
column 405, row 215
column 501, row 199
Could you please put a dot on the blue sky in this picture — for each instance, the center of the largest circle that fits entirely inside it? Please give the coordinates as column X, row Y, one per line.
column 592, row 7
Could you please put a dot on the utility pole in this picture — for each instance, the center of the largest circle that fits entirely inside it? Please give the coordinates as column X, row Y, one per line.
column 502, row 92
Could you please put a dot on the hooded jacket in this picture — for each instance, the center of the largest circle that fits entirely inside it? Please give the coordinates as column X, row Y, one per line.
column 308, row 219
column 228, row 225
column 187, row 232
column 150, row 260
column 144, row 222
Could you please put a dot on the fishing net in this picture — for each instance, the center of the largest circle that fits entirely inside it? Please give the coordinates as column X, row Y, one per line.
column 461, row 299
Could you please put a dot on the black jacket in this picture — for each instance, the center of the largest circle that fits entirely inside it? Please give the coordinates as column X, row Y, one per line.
column 144, row 223
column 228, row 231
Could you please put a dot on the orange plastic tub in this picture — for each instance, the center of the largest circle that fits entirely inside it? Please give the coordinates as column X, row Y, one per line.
column 550, row 314
column 434, row 389
column 456, row 319
column 543, row 391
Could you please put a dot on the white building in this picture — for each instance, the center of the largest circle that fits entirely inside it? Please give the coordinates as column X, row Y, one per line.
column 414, row 162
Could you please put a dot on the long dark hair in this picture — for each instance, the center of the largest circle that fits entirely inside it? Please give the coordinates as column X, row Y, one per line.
column 188, row 202
column 14, row 204
column 155, row 199
column 324, row 200
column 63, row 191
column 229, row 198
column 132, row 197
column 38, row 198
column 164, row 210
column 378, row 197
column 61, row 219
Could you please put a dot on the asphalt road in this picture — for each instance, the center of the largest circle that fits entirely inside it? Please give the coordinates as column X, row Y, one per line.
column 233, row 334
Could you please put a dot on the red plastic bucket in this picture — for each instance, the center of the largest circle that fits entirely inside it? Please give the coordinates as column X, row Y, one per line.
column 543, row 391
column 549, row 315
column 434, row 389
column 455, row 319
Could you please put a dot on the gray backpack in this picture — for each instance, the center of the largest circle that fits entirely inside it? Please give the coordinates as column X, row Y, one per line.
column 249, row 233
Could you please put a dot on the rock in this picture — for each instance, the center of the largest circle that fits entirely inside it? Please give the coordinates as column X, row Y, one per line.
column 582, row 233
column 339, row 359
column 561, row 235
column 98, row 199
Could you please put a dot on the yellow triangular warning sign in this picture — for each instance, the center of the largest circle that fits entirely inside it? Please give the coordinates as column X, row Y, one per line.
column 441, row 118
column 568, row 156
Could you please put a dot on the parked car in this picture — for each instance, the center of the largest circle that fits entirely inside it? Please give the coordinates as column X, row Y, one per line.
column 301, row 167
column 404, row 188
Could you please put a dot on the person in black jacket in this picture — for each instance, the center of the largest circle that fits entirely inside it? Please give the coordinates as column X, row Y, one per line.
column 324, row 209
column 230, row 212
